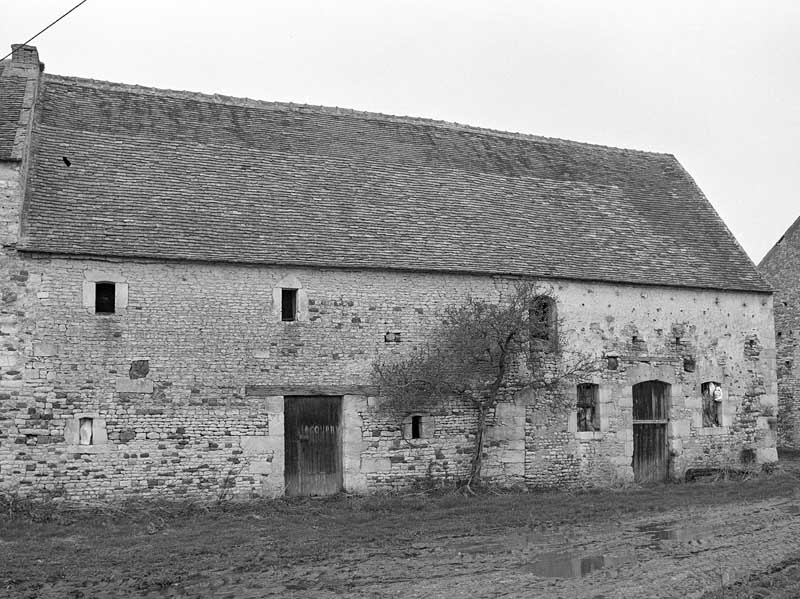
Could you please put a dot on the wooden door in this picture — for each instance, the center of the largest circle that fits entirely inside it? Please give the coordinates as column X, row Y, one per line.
column 650, row 418
column 312, row 445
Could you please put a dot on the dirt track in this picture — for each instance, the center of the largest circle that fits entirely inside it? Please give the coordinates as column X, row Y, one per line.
column 682, row 553
column 667, row 541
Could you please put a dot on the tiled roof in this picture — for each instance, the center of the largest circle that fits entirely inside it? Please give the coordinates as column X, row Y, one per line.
column 784, row 257
column 164, row 174
column 12, row 91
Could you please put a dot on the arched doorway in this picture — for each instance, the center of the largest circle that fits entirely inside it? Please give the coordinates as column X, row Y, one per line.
column 650, row 418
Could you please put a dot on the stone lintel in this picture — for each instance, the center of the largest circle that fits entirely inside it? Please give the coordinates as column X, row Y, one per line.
column 284, row 390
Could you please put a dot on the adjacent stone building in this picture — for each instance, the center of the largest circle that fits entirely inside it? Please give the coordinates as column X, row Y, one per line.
column 193, row 290
column 781, row 268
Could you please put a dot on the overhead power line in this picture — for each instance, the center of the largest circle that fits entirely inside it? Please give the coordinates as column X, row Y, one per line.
column 48, row 27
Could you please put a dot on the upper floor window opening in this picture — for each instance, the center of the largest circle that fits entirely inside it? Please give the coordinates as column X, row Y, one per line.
column 288, row 305
column 105, row 298
column 542, row 317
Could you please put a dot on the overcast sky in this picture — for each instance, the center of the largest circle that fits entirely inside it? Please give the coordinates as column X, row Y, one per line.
column 714, row 82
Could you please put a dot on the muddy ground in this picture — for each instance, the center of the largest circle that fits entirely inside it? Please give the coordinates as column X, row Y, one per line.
column 708, row 539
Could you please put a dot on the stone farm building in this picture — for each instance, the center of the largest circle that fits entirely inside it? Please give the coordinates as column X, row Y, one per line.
column 194, row 289
column 781, row 268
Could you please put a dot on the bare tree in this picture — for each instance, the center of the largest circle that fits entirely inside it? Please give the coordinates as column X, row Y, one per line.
column 481, row 349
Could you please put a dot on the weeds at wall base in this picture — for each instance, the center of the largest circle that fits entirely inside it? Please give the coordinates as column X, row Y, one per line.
column 425, row 493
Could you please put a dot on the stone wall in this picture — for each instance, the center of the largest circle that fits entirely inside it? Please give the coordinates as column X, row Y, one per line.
column 683, row 338
column 205, row 416
column 781, row 267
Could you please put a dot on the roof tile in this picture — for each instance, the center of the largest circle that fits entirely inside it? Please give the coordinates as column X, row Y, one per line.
column 175, row 175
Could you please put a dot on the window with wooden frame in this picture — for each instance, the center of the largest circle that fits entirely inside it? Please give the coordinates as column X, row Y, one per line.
column 588, row 414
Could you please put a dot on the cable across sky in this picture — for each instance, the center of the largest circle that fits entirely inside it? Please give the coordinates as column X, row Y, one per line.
column 48, row 27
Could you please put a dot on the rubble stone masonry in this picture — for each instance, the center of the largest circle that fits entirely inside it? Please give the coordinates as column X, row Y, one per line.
column 781, row 267
column 206, row 419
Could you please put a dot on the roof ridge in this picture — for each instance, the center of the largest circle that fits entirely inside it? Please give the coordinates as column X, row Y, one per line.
column 334, row 110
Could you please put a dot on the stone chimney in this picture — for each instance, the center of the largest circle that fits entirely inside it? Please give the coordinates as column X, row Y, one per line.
column 25, row 55
column 19, row 80
column 21, row 75
column 24, row 61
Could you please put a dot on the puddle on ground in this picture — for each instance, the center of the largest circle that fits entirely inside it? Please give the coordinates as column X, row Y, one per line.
column 477, row 547
column 666, row 531
column 565, row 565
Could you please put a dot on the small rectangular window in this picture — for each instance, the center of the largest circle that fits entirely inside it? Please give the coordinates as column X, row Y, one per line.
column 288, row 305
column 588, row 417
column 86, row 431
column 712, row 398
column 104, row 294
column 416, row 424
